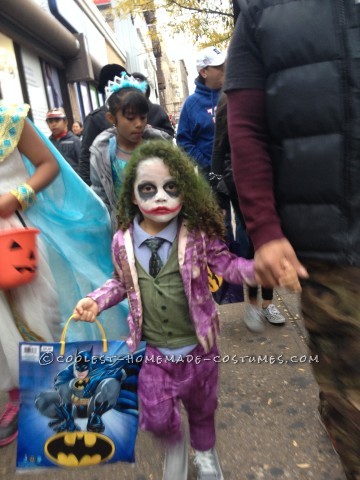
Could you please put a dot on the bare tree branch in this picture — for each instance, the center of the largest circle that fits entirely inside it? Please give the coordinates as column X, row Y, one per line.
column 209, row 26
column 202, row 10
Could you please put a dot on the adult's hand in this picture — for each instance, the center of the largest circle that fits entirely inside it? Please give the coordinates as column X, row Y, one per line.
column 269, row 262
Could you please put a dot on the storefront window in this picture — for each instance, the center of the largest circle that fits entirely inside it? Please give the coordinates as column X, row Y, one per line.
column 36, row 89
column 52, row 83
column 84, row 90
column 10, row 87
column 94, row 97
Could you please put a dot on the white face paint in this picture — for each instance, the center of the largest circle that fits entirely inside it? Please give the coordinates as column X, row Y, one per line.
column 156, row 193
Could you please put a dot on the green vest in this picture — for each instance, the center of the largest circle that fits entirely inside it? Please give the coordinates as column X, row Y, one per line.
column 166, row 318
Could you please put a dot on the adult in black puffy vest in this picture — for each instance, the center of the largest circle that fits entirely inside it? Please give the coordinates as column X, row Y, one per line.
column 293, row 86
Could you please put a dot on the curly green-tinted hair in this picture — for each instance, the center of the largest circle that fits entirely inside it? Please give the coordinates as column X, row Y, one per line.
column 199, row 205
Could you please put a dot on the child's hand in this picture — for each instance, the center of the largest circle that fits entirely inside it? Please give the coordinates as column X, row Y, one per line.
column 86, row 310
column 8, row 205
column 289, row 278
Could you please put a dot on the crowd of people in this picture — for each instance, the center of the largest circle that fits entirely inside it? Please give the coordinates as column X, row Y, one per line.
column 268, row 141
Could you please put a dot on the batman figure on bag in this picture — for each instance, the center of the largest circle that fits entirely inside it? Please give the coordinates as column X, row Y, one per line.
column 88, row 388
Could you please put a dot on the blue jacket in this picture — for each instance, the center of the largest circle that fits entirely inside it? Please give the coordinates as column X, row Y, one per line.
column 195, row 133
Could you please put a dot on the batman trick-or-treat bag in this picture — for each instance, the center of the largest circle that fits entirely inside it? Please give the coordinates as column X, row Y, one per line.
column 78, row 403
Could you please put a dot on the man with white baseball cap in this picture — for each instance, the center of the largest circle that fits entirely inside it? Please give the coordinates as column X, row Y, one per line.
column 195, row 132
column 210, row 57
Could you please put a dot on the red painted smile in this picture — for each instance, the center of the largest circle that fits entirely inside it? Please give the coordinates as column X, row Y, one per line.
column 162, row 210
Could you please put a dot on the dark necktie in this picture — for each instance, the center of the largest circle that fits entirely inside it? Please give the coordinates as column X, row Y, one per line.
column 155, row 262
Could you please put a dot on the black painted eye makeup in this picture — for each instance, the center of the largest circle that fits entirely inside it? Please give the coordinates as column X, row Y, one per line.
column 146, row 190
column 172, row 189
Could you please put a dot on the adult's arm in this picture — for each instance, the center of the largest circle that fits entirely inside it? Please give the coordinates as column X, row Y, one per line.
column 253, row 176
column 221, row 148
column 252, row 169
column 89, row 134
column 220, row 155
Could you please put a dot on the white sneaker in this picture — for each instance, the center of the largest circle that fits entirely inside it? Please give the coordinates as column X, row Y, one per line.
column 176, row 461
column 272, row 315
column 253, row 318
column 208, row 465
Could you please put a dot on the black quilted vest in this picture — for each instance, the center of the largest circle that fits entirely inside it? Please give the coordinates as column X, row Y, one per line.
column 311, row 51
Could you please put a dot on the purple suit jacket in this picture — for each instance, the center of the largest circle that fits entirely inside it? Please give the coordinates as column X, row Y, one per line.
column 196, row 251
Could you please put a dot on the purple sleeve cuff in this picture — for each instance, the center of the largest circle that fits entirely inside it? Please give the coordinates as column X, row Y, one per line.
column 248, row 271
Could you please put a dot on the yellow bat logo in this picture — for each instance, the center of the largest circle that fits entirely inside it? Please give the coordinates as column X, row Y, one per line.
column 79, row 449
column 215, row 281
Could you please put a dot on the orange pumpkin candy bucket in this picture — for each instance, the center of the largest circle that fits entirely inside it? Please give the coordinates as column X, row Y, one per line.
column 18, row 257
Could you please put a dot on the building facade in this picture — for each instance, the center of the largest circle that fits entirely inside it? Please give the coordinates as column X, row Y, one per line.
column 179, row 89
column 51, row 54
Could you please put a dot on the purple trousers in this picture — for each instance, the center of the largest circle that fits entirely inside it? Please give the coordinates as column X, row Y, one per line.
column 193, row 380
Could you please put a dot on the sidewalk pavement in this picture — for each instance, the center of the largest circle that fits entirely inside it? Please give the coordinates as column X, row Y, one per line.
column 267, row 424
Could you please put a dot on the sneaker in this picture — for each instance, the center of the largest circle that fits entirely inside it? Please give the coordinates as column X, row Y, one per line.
column 253, row 318
column 273, row 315
column 9, row 423
column 176, row 461
column 208, row 465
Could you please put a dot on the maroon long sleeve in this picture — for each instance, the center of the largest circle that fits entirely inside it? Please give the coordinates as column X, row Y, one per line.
column 252, row 165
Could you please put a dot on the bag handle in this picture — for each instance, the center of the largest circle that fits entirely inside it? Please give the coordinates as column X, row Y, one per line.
column 63, row 335
column 21, row 219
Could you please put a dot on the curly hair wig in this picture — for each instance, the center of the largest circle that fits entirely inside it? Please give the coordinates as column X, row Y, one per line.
column 200, row 208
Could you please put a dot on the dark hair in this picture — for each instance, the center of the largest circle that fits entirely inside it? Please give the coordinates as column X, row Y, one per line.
column 128, row 100
column 108, row 72
column 199, row 205
column 142, row 78
column 78, row 121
